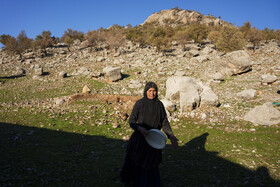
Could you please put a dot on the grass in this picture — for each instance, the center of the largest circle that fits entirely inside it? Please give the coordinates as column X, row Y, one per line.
column 76, row 144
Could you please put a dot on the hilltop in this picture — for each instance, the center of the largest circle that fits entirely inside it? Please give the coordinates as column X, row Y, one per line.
column 176, row 16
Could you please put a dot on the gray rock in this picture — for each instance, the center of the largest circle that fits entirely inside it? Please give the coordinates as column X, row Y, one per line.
column 189, row 99
column 247, row 94
column 265, row 114
column 20, row 71
column 169, row 105
column 268, row 79
column 234, row 63
column 218, row 76
column 59, row 101
column 180, row 73
column 208, row 97
column 38, row 71
column 177, row 84
column 62, row 74
column 112, row 73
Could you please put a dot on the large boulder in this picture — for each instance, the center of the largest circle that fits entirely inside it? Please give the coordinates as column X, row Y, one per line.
column 177, row 84
column 112, row 73
column 208, row 97
column 236, row 62
column 189, row 99
column 189, row 93
column 265, row 114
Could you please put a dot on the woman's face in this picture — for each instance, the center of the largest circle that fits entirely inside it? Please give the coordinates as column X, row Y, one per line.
column 151, row 93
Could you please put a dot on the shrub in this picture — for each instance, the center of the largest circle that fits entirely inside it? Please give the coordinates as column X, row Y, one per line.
column 115, row 37
column 230, row 39
column 182, row 37
column 255, row 36
column 95, row 37
column 70, row 36
column 213, row 36
column 16, row 45
column 198, row 32
column 44, row 40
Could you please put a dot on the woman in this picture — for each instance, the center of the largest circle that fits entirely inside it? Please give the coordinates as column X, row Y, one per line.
column 142, row 160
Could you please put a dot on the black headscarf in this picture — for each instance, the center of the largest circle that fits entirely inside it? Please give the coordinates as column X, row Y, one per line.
column 151, row 107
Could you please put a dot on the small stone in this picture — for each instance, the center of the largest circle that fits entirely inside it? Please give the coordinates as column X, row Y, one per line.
column 86, row 90
column 62, row 74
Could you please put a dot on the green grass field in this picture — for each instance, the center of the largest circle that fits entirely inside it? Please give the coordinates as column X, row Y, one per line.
column 77, row 145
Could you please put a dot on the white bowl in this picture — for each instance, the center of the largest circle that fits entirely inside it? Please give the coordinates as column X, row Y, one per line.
column 156, row 139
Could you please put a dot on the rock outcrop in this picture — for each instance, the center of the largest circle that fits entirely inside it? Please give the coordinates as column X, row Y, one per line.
column 265, row 114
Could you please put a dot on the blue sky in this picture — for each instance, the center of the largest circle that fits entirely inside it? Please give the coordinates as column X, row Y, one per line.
column 35, row 16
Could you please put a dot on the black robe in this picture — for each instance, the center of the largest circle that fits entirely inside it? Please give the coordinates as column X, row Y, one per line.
column 142, row 160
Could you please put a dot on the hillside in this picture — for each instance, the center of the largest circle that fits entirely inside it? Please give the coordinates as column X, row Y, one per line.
column 64, row 110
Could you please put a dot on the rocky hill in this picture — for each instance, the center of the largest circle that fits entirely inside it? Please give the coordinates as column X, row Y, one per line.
column 175, row 16
column 213, row 87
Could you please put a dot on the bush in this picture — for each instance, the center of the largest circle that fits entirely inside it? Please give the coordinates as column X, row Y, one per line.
column 95, row 37
column 159, row 39
column 115, row 37
column 198, row 32
column 213, row 36
column 70, row 36
column 230, row 39
column 16, row 45
column 44, row 40
column 255, row 36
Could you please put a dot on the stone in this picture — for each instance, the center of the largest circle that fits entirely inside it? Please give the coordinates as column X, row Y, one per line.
column 86, row 90
column 177, row 84
column 29, row 55
column 247, row 94
column 38, row 71
column 36, row 77
column 189, row 99
column 268, row 79
column 62, row 74
column 208, row 97
column 20, row 71
column 218, row 76
column 100, row 59
column 112, row 73
column 59, row 101
column 169, row 105
column 265, row 114
column 234, row 63
column 180, row 73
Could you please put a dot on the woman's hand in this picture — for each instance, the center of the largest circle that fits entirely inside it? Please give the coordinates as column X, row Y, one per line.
column 174, row 141
column 142, row 130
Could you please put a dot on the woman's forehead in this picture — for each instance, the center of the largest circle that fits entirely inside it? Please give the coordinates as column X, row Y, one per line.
column 152, row 89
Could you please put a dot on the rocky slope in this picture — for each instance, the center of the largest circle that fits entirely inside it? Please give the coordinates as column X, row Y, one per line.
column 139, row 65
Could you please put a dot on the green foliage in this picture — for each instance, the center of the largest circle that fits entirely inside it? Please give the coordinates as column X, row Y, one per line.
column 255, row 36
column 115, row 37
column 5, row 38
column 70, row 36
column 213, row 36
column 198, row 32
column 136, row 35
column 16, row 45
column 230, row 39
column 95, row 37
column 268, row 34
column 159, row 39
column 246, row 29
column 44, row 40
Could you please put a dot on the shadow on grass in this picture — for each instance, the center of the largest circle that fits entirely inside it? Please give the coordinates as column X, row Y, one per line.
column 12, row 77
column 41, row 157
